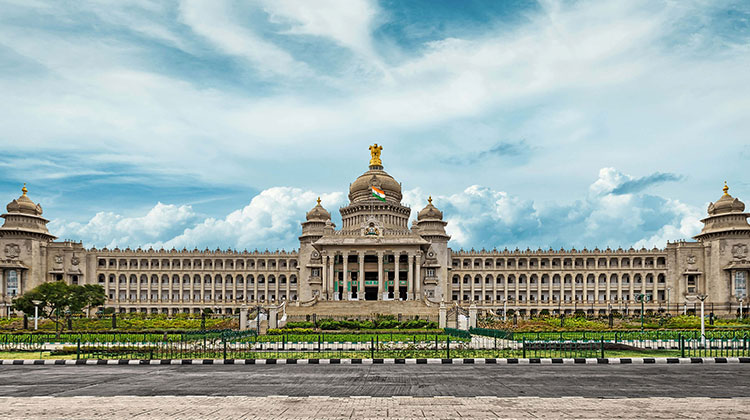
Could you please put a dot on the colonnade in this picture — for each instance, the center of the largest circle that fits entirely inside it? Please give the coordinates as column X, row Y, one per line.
column 331, row 268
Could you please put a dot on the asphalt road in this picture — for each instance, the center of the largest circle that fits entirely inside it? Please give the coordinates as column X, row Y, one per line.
column 594, row 381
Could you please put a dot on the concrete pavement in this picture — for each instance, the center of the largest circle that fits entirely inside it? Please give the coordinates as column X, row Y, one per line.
column 546, row 381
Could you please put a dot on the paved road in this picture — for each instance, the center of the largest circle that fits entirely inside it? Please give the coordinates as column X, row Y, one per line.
column 104, row 408
column 597, row 381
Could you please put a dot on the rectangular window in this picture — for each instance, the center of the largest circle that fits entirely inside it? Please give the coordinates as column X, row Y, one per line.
column 740, row 288
column 12, row 283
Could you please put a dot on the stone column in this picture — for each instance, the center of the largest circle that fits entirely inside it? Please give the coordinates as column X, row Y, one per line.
column 117, row 288
column 484, row 288
column 472, row 315
column 243, row 317
column 255, row 287
column 273, row 313
column 332, row 277
column 361, row 277
column 596, row 290
column 585, row 292
column 381, row 295
column 418, row 278
column 442, row 316
column 396, row 280
column 324, row 275
column 347, row 289
column 410, row 278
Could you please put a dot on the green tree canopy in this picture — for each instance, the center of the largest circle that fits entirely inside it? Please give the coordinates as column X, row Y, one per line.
column 58, row 301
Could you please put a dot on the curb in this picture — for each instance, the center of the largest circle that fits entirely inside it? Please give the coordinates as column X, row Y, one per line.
column 538, row 361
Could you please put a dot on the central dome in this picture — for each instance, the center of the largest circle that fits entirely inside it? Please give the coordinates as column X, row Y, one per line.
column 361, row 188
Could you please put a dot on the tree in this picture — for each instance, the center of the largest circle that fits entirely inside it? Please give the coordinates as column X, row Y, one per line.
column 59, row 301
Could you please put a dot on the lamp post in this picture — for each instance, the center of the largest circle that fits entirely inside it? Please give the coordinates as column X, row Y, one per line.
column 36, row 313
column 505, row 311
column 668, row 290
column 703, row 321
column 641, row 297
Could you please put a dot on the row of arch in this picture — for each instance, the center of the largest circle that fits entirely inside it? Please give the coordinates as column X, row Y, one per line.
column 196, row 264
column 501, row 279
column 113, row 279
column 559, row 263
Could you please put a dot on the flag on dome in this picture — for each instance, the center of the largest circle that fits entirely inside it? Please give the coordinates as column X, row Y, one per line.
column 378, row 193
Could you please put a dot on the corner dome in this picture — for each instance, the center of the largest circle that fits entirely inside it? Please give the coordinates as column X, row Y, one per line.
column 726, row 204
column 23, row 204
column 318, row 213
column 430, row 212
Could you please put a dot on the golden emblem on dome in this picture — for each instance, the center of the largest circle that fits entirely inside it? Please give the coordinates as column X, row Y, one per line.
column 24, row 190
column 726, row 188
column 375, row 155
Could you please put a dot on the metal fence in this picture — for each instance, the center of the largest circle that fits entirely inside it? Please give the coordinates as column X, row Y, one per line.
column 479, row 343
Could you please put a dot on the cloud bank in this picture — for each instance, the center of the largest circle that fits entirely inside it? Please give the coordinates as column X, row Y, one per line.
column 478, row 217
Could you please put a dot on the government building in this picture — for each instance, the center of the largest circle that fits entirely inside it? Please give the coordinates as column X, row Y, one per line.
column 376, row 263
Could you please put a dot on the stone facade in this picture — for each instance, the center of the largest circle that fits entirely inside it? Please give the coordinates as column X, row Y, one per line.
column 376, row 256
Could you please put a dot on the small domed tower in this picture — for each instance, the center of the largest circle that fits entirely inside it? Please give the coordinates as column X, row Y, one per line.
column 725, row 269
column 430, row 224
column 24, row 240
column 316, row 221
column 24, row 220
column 726, row 218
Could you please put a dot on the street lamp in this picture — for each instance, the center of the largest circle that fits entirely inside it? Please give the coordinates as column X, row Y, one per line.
column 642, row 297
column 703, row 321
column 36, row 313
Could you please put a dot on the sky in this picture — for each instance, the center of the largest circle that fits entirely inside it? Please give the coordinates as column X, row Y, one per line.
column 532, row 124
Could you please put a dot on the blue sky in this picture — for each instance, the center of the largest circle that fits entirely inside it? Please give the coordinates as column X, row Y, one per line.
column 532, row 124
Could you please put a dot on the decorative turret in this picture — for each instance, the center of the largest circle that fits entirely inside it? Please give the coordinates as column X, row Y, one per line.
column 316, row 221
column 24, row 219
column 726, row 217
column 430, row 224
column 318, row 213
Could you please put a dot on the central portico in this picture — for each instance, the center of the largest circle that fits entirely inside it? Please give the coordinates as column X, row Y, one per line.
column 375, row 255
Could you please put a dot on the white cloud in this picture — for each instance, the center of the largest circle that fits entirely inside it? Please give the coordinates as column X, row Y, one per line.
column 112, row 230
column 483, row 217
column 271, row 220
column 348, row 23
column 216, row 22
column 477, row 217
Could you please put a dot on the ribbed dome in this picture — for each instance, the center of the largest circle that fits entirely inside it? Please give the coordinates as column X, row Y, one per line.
column 318, row 213
column 23, row 204
column 430, row 212
column 726, row 204
column 360, row 190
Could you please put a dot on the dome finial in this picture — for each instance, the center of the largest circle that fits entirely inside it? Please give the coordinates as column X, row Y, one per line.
column 375, row 155
column 24, row 190
column 726, row 188
column 318, row 200
column 429, row 199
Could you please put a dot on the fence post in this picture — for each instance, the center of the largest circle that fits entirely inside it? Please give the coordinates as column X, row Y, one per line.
column 682, row 346
column 602, row 346
column 447, row 347
column 318, row 343
column 372, row 348
column 523, row 347
column 78, row 349
column 225, row 347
